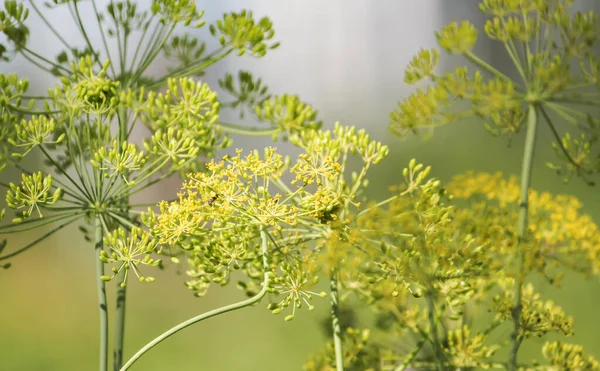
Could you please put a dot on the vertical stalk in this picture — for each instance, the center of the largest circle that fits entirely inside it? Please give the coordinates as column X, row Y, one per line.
column 119, row 321
column 99, row 246
column 335, row 323
column 119, row 325
column 526, row 171
column 435, row 340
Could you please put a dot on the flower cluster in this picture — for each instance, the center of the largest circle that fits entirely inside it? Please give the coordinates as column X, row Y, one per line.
column 244, row 33
column 561, row 235
column 426, row 262
column 219, row 213
column 550, row 46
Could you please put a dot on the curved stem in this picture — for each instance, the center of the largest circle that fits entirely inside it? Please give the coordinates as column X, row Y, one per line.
column 101, row 287
column 214, row 312
column 247, row 131
column 526, row 171
column 335, row 322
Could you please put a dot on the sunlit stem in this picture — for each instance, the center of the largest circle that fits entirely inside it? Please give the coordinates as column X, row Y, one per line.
column 377, row 205
column 247, row 131
column 212, row 313
column 335, row 322
column 526, row 172
column 101, row 287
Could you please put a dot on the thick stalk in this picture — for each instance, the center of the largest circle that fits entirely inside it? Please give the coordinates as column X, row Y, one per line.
column 119, row 339
column 526, row 171
column 119, row 324
column 335, row 323
column 99, row 246
column 215, row 312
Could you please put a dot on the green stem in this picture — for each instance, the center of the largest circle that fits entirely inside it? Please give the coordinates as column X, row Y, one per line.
column 150, row 58
column 103, row 38
column 38, row 56
column 480, row 63
column 101, row 287
column 120, row 321
column 84, row 191
column 526, row 172
column 37, row 240
column 189, row 69
column 559, row 142
column 214, row 312
column 335, row 323
column 54, row 31
column 119, row 324
column 435, row 340
column 85, row 35
column 33, row 223
column 247, row 131
column 139, row 44
column 412, row 355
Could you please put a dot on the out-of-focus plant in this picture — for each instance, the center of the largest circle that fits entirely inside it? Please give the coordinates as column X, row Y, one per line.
column 430, row 260
column 83, row 127
column 552, row 50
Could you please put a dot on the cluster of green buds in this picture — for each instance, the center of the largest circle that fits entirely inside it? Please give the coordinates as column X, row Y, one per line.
column 245, row 34
column 129, row 250
column 551, row 48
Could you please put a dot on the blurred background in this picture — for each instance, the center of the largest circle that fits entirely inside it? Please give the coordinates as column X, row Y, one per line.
column 346, row 58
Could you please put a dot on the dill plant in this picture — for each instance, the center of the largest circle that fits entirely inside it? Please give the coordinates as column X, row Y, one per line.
column 82, row 128
column 551, row 48
column 427, row 260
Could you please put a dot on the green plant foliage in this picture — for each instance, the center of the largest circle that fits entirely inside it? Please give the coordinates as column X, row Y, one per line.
column 551, row 48
column 444, row 269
